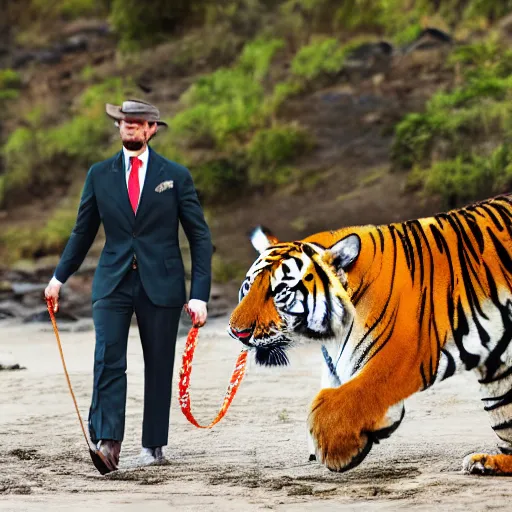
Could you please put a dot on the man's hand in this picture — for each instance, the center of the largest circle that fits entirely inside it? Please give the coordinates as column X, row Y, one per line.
column 197, row 311
column 52, row 292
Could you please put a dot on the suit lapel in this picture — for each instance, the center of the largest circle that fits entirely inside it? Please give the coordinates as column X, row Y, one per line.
column 153, row 178
column 119, row 189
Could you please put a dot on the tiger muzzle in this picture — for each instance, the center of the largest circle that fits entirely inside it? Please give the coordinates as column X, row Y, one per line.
column 244, row 335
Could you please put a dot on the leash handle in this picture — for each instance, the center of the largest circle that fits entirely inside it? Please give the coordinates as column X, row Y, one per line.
column 49, row 304
column 184, row 383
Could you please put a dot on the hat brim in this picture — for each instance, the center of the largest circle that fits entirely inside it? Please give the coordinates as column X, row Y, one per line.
column 114, row 111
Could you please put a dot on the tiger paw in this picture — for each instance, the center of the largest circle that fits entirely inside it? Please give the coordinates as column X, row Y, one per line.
column 484, row 464
column 337, row 431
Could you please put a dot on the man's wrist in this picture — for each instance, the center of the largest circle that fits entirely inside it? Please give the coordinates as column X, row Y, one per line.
column 55, row 281
column 191, row 302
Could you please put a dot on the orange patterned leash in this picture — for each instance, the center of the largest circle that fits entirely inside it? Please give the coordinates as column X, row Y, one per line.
column 49, row 305
column 186, row 370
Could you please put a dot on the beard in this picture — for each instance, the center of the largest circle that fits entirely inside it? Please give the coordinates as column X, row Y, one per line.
column 133, row 145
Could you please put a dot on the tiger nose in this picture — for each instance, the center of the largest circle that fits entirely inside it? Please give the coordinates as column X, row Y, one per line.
column 243, row 335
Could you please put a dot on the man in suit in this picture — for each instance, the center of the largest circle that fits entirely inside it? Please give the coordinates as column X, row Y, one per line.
column 140, row 197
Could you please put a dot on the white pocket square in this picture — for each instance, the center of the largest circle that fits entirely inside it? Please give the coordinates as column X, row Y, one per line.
column 164, row 186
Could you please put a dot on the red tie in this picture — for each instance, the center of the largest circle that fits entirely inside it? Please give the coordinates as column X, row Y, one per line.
column 133, row 182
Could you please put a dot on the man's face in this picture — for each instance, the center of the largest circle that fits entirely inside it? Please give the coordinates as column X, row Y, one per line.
column 135, row 133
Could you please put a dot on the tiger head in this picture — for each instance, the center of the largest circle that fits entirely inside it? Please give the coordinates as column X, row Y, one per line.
column 294, row 290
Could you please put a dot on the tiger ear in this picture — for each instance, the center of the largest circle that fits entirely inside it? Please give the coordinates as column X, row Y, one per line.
column 345, row 252
column 262, row 238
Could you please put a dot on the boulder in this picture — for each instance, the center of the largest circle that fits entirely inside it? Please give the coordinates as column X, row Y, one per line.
column 8, row 363
column 428, row 39
column 43, row 316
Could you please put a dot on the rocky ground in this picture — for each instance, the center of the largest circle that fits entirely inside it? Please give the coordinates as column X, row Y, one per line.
column 22, row 292
column 255, row 459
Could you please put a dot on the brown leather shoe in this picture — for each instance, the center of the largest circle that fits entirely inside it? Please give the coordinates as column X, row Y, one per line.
column 106, row 456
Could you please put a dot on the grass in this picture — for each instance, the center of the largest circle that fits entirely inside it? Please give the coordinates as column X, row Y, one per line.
column 10, row 84
column 221, row 107
column 56, row 150
column 458, row 147
column 271, row 148
column 324, row 57
column 231, row 111
column 34, row 242
column 462, row 179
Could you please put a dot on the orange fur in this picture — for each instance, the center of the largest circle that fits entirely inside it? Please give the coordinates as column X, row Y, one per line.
column 492, row 464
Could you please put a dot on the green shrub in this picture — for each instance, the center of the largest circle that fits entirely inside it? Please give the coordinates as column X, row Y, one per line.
column 70, row 9
column 141, row 23
column 228, row 102
column 282, row 92
column 455, row 147
column 271, row 149
column 32, row 242
column 207, row 47
column 324, row 57
column 23, row 167
column 491, row 9
column 84, row 135
column 9, row 79
column 408, row 34
column 219, row 179
column 458, row 119
column 413, row 141
column 257, row 55
column 221, row 105
column 10, row 83
column 37, row 155
column 463, row 179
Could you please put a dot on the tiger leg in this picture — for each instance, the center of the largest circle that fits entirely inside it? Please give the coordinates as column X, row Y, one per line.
column 345, row 422
column 329, row 379
column 497, row 397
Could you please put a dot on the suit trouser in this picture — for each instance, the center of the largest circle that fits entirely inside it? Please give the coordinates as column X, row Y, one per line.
column 158, row 327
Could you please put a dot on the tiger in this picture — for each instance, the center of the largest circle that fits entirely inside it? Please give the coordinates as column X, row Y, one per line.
column 398, row 308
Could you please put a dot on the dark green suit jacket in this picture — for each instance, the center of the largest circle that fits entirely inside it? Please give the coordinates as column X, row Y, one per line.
column 151, row 235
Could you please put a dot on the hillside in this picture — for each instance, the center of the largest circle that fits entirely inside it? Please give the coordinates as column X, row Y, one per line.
column 299, row 115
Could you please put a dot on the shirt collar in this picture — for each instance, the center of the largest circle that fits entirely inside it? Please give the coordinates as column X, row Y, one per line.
column 143, row 157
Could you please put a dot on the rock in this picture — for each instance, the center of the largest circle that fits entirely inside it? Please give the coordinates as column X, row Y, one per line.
column 429, row 38
column 11, row 367
column 74, row 44
column 5, row 313
column 8, row 363
column 87, row 26
column 51, row 56
column 26, row 288
column 368, row 59
column 366, row 51
column 43, row 316
column 21, row 59
column 12, row 309
column 505, row 25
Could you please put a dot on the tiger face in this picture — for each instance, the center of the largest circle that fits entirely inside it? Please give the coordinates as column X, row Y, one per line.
column 293, row 291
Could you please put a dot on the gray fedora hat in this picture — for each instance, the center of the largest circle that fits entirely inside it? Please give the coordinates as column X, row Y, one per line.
column 135, row 109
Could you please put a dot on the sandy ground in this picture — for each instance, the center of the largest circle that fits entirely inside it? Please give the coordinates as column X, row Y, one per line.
column 255, row 459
